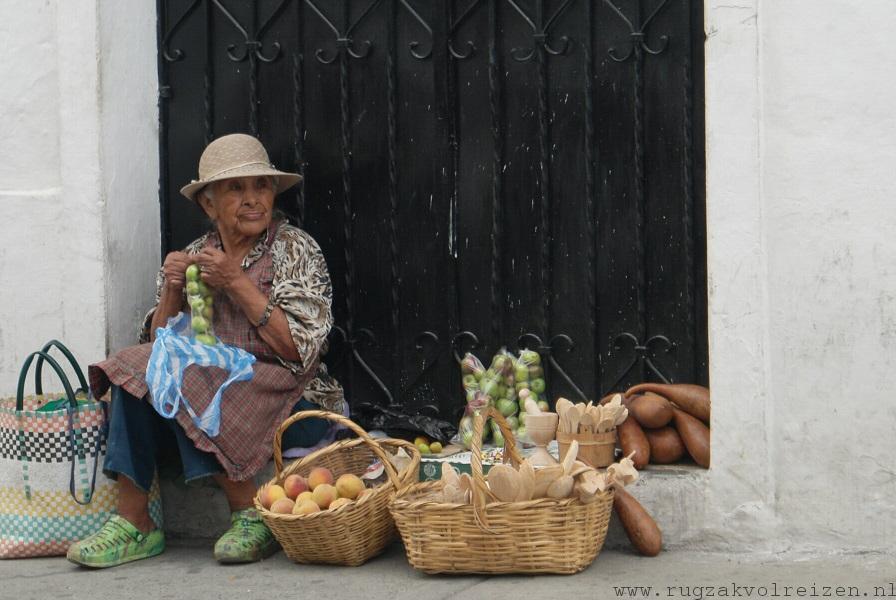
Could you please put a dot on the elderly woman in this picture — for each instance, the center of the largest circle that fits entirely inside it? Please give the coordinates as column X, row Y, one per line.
column 272, row 299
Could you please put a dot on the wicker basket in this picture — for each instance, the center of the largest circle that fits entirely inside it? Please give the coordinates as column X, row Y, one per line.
column 352, row 534
column 535, row 536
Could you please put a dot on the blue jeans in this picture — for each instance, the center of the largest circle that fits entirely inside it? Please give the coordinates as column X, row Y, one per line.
column 140, row 440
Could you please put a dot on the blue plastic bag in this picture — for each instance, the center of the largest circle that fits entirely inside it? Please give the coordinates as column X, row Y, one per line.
column 173, row 351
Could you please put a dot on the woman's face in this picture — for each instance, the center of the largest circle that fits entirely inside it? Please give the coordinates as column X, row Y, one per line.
column 240, row 206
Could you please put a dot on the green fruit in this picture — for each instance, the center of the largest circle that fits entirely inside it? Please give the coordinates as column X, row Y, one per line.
column 521, row 373
column 478, row 374
column 208, row 312
column 424, row 448
column 530, row 357
column 197, row 303
column 521, row 385
column 522, row 418
column 501, row 363
column 544, row 406
column 513, row 422
column 209, row 300
column 435, row 447
column 498, row 439
column 192, row 273
column 200, row 325
column 470, row 382
column 192, row 288
column 202, row 288
column 489, row 374
column 538, row 386
column 521, row 432
column 468, row 365
column 506, row 407
column 471, row 395
column 536, row 371
column 490, row 387
column 208, row 340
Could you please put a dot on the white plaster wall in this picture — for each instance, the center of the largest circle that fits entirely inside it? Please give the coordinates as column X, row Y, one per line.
column 130, row 163
column 829, row 148
column 79, row 213
column 800, row 149
column 51, row 253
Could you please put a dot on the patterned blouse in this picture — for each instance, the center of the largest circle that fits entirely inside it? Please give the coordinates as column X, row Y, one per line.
column 302, row 289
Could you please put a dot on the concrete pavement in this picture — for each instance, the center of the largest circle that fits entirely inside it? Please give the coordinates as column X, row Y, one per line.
column 189, row 571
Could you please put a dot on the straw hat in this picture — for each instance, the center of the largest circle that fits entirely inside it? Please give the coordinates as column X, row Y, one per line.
column 236, row 155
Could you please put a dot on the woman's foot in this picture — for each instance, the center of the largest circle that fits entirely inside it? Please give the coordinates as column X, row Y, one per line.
column 247, row 540
column 117, row 543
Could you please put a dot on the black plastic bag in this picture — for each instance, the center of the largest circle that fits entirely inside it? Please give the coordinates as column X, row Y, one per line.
column 399, row 424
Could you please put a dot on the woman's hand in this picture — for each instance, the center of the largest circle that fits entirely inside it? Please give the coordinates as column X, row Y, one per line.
column 218, row 270
column 173, row 268
column 172, row 298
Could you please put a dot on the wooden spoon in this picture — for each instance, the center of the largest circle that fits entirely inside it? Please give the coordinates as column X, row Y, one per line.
column 578, row 468
column 563, row 404
column 607, row 419
column 561, row 487
column 581, row 409
column 527, row 481
column 544, row 477
column 465, row 485
column 562, row 407
column 570, row 458
column 504, row 482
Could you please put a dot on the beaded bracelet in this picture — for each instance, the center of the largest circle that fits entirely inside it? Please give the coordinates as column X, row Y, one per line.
column 265, row 317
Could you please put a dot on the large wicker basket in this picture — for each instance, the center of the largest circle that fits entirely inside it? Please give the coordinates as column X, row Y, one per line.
column 535, row 536
column 351, row 534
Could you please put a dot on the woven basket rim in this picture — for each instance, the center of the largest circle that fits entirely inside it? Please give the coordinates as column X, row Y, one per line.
column 402, row 501
column 405, row 476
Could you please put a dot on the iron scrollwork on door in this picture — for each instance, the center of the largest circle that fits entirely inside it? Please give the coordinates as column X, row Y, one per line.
column 453, row 82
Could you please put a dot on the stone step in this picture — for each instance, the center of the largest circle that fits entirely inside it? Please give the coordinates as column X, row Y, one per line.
column 669, row 493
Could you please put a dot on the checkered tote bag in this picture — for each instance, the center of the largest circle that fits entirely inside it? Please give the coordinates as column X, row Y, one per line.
column 52, row 488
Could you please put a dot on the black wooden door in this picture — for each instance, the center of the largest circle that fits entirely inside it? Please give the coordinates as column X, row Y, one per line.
column 479, row 173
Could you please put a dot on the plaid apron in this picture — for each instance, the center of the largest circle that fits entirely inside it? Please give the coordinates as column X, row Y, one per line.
column 251, row 411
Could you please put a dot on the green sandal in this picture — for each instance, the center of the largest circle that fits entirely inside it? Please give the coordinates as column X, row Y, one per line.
column 117, row 543
column 247, row 540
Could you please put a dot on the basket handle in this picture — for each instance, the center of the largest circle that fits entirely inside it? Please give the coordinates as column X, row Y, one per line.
column 71, row 359
column 354, row 427
column 20, row 388
column 480, row 490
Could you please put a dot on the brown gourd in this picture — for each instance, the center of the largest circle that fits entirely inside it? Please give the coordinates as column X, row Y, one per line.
column 695, row 436
column 666, row 445
column 651, row 411
column 692, row 399
column 632, row 439
column 641, row 529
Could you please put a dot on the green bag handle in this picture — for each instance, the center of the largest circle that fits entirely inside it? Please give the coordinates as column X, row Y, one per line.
column 73, row 406
column 20, row 391
column 38, row 387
